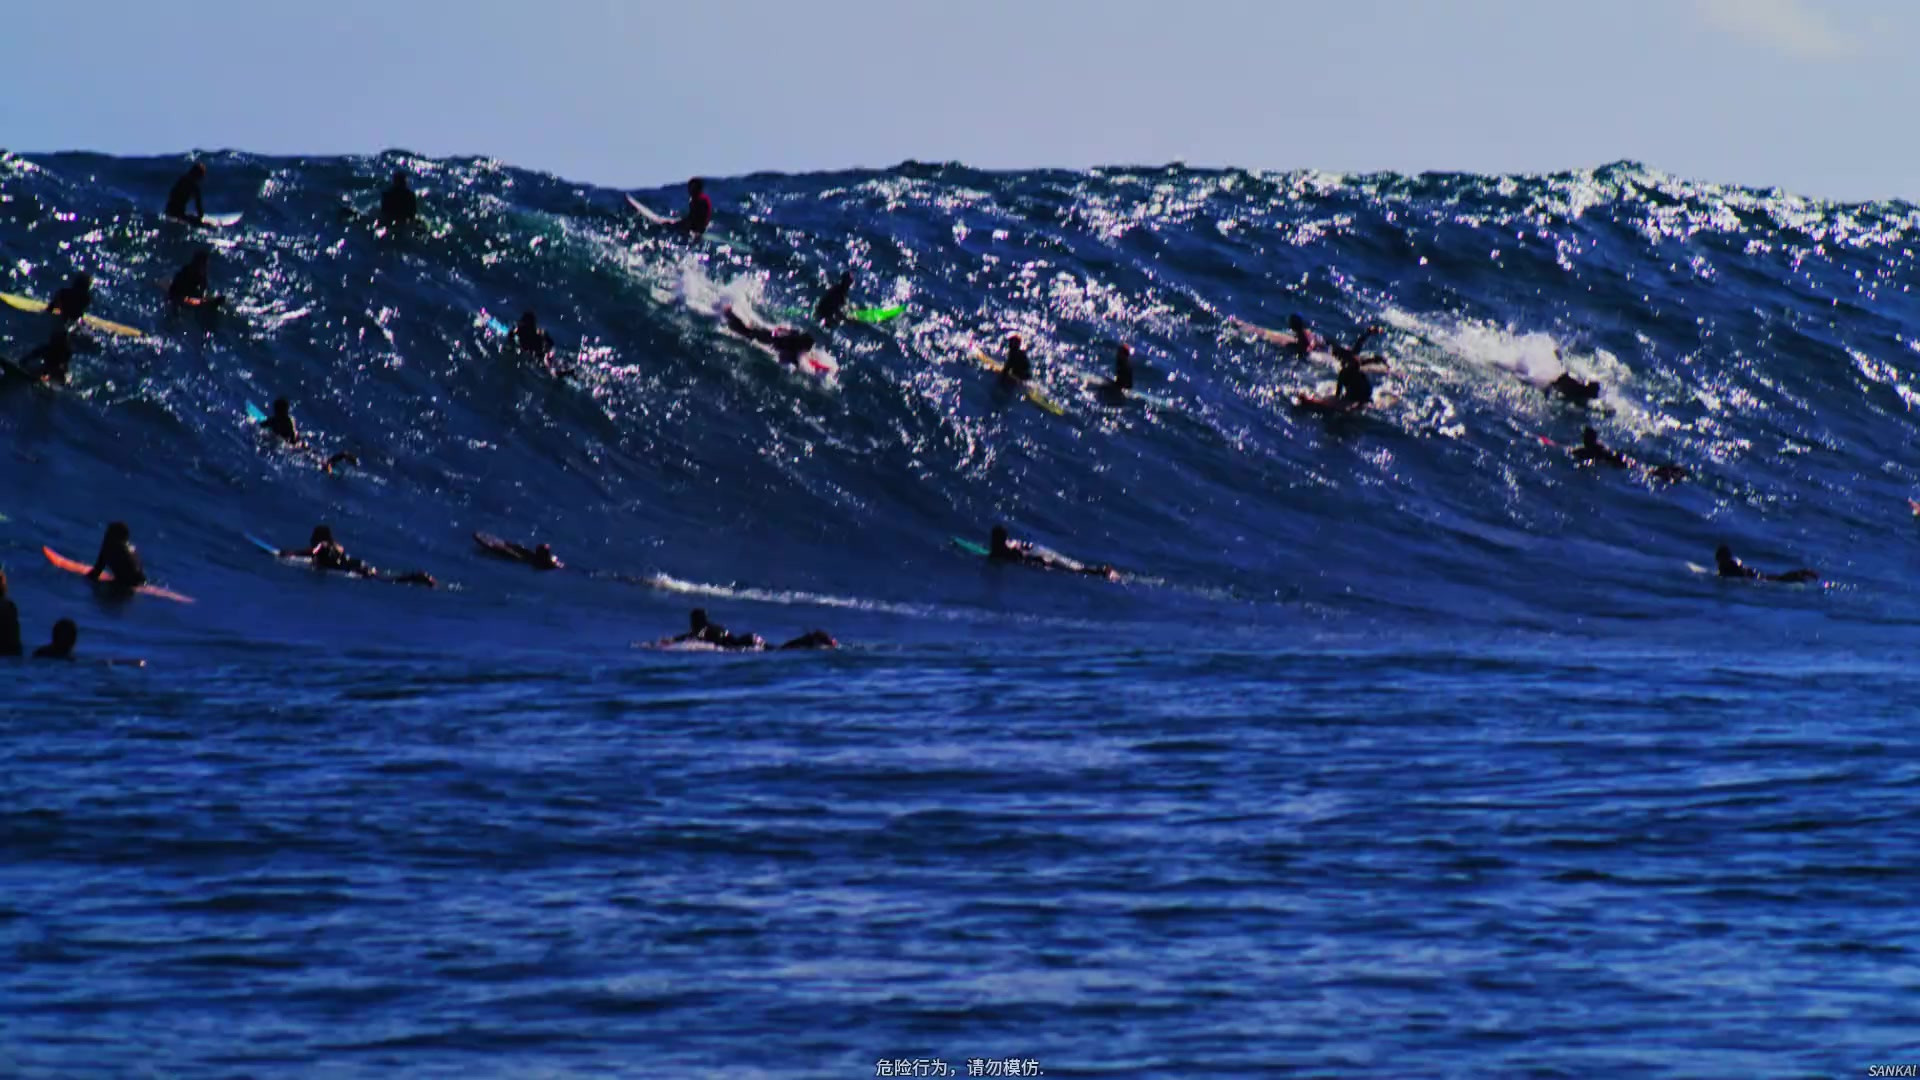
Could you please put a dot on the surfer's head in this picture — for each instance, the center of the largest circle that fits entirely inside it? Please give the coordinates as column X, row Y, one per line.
column 999, row 539
column 1589, row 437
column 66, row 634
column 118, row 533
column 544, row 555
column 322, row 534
column 281, row 406
column 1297, row 324
column 1014, row 342
column 529, row 319
column 199, row 168
column 399, row 178
column 696, row 185
column 1723, row 554
column 846, row 277
column 1123, row 356
column 697, row 619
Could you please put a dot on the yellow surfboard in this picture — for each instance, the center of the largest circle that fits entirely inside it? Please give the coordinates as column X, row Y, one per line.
column 28, row 303
column 1033, row 392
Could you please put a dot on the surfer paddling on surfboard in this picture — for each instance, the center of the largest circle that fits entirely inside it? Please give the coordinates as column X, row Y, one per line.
column 325, row 553
column 185, row 188
column 1730, row 567
column 540, row 557
column 702, row 630
column 1002, row 549
column 788, row 345
column 282, row 426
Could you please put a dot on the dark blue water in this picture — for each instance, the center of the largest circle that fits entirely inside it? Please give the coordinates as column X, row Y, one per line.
column 1406, row 746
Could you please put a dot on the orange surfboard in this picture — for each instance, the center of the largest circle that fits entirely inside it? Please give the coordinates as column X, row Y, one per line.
column 72, row 567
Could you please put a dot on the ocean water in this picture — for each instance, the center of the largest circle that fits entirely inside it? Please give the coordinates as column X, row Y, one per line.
column 1403, row 746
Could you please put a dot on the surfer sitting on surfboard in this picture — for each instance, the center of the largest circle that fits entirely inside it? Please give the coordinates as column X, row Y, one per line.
column 398, row 205
column 189, row 286
column 1122, row 380
column 73, row 300
column 1734, row 568
column 119, row 559
column 188, row 187
column 530, row 338
column 712, row 633
column 788, row 345
column 1002, row 549
column 833, row 304
column 1019, row 367
column 699, row 213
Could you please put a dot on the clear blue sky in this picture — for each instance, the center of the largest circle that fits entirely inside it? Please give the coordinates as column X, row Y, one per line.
column 1811, row 95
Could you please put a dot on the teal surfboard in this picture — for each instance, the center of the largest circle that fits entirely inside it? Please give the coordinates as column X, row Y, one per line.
column 256, row 414
column 970, row 547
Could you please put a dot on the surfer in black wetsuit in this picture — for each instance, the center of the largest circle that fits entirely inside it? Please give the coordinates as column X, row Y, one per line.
column 1002, row 549
column 73, row 300
column 699, row 213
column 1353, row 389
column 189, row 286
column 1122, row 368
column 700, row 628
column 529, row 338
column 833, row 304
column 282, row 425
column 539, row 557
column 788, row 345
column 398, row 204
column 118, row 558
column 1730, row 567
column 1122, row 380
column 1591, row 450
column 54, row 358
column 1572, row 389
column 66, row 635
column 326, row 554
column 1019, row 367
column 9, row 622
column 185, row 188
